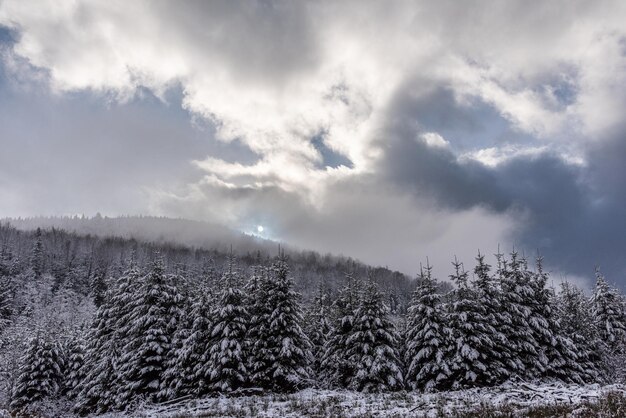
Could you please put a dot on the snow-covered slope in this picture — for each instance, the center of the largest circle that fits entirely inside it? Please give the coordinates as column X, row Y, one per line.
column 514, row 399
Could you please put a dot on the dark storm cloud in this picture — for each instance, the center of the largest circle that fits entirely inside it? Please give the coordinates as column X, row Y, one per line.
column 573, row 215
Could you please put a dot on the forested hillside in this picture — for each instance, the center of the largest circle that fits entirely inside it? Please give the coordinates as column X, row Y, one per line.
column 92, row 324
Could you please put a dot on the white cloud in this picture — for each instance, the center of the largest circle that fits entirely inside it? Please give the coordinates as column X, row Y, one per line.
column 433, row 139
column 276, row 74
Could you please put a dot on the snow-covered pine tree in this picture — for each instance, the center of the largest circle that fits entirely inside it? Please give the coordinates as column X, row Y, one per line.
column 190, row 346
column 280, row 355
column 576, row 321
column 97, row 389
column 258, row 289
column 7, row 296
column 98, row 289
column 104, row 342
column 428, row 337
column 609, row 314
column 557, row 347
column 40, row 373
column 517, row 300
column 37, row 255
column 227, row 369
column 497, row 324
column 74, row 370
column 178, row 376
column 337, row 370
column 148, row 336
column 373, row 346
column 317, row 326
column 471, row 335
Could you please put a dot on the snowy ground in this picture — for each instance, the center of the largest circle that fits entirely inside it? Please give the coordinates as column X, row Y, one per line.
column 516, row 399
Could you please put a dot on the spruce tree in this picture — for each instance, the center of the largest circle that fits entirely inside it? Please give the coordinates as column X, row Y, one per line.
column 609, row 314
column 428, row 337
column 227, row 352
column 281, row 350
column 373, row 346
column 499, row 356
column 75, row 370
column 178, row 379
column 517, row 299
column 471, row 335
column 40, row 373
column 318, row 326
column 561, row 359
column 37, row 255
column 7, row 296
column 337, row 369
column 576, row 320
column 148, row 336
column 97, row 389
column 108, row 333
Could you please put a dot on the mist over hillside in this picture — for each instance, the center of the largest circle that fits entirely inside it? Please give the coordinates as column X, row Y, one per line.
column 193, row 244
column 153, row 229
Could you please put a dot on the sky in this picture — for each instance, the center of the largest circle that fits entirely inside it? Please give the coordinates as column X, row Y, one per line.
column 386, row 131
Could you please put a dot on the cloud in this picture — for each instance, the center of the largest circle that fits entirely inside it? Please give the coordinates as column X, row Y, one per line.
column 329, row 121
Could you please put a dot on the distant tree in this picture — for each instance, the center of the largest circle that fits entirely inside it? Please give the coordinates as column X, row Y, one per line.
column 428, row 337
column 373, row 346
column 37, row 255
column 98, row 288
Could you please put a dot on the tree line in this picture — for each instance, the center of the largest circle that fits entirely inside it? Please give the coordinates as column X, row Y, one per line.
column 158, row 336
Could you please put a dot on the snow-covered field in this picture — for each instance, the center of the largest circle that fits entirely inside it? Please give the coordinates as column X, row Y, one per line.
column 511, row 399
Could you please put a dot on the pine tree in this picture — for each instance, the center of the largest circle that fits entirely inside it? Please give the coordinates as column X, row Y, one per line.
column 428, row 337
column 471, row 335
column 96, row 387
column 337, row 370
column 318, row 327
column 280, row 353
column 108, row 333
column 178, row 379
column 148, row 336
column 98, row 288
column 7, row 296
column 517, row 299
column 40, row 373
column 559, row 350
column 497, row 324
column 227, row 353
column 37, row 255
column 373, row 343
column 576, row 320
column 74, row 370
column 609, row 314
